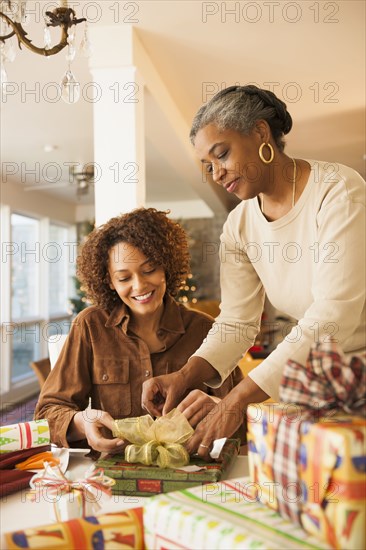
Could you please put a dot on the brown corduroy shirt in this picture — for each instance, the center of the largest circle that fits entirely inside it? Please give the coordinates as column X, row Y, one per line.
column 102, row 360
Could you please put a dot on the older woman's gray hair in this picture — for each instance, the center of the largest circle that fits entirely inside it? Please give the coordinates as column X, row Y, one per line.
column 239, row 107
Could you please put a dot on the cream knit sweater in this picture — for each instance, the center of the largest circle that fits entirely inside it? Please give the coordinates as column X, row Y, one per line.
column 311, row 265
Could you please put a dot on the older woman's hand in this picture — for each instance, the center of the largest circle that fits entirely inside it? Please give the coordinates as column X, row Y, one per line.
column 90, row 424
column 162, row 393
column 197, row 405
column 225, row 418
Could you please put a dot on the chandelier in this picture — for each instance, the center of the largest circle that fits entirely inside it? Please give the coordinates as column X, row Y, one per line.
column 13, row 18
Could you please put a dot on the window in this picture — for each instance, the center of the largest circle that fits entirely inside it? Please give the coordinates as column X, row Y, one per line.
column 25, row 348
column 37, row 269
column 60, row 255
column 25, row 275
column 24, row 266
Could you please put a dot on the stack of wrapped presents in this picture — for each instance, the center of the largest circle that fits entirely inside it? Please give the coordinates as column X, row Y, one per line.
column 306, row 484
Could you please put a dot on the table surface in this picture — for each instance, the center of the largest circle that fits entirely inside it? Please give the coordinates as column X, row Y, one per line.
column 17, row 512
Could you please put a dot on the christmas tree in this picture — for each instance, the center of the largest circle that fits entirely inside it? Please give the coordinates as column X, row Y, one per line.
column 79, row 302
column 187, row 291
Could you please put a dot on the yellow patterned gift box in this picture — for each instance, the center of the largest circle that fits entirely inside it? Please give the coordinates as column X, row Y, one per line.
column 106, row 532
column 311, row 469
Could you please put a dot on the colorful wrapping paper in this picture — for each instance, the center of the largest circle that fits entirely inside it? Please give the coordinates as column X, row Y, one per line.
column 140, row 480
column 25, row 435
column 109, row 531
column 219, row 515
column 327, row 472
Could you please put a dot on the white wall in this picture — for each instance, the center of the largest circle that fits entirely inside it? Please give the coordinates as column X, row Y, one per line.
column 37, row 203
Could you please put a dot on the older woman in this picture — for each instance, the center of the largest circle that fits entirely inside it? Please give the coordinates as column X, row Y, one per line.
column 297, row 235
column 130, row 268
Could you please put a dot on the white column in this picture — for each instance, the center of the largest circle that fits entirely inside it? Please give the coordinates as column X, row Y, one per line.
column 119, row 134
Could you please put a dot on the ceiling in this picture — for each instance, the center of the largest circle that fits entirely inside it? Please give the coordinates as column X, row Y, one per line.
column 312, row 54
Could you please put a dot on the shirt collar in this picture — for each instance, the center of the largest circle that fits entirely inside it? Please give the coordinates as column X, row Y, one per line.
column 171, row 319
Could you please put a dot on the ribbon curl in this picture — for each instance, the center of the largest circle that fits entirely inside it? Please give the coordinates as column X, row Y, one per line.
column 93, row 487
column 156, row 442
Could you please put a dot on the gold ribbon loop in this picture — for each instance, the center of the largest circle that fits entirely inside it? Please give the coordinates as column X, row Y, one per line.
column 156, row 442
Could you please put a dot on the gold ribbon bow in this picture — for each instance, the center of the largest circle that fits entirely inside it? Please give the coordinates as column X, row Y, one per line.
column 157, row 442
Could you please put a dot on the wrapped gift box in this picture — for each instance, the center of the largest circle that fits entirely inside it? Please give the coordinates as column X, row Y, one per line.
column 71, row 499
column 140, row 480
column 327, row 476
column 118, row 530
column 219, row 515
column 24, row 435
column 71, row 505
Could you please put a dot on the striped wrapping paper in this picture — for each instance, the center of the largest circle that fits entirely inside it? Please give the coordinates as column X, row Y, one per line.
column 220, row 515
column 24, row 435
column 108, row 531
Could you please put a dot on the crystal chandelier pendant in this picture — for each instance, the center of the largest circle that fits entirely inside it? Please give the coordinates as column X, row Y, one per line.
column 71, row 52
column 71, row 49
column 47, row 38
column 85, row 44
column 70, row 88
column 21, row 15
column 18, row 14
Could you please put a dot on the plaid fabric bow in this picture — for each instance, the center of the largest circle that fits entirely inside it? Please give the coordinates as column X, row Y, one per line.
column 328, row 380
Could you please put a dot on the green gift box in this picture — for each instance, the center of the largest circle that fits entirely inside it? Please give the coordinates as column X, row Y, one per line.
column 141, row 480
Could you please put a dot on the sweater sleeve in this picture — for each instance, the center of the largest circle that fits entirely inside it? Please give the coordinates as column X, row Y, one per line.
column 337, row 312
column 68, row 385
column 242, row 301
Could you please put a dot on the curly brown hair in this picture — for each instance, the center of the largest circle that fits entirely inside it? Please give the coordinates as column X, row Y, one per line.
column 163, row 241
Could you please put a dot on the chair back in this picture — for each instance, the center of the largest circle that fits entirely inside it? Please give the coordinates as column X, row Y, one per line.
column 42, row 369
column 55, row 345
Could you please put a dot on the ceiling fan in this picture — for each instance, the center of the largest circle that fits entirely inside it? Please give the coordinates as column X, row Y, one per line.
column 81, row 179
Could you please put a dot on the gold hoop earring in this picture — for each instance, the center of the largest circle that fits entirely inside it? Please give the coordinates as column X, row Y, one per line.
column 260, row 152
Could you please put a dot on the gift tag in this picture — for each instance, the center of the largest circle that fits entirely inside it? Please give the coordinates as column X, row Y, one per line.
column 218, row 445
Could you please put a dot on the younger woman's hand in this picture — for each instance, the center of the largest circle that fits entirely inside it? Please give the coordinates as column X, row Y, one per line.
column 91, row 424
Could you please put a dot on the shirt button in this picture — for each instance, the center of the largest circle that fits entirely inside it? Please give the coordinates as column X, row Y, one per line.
column 147, row 373
column 105, row 377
